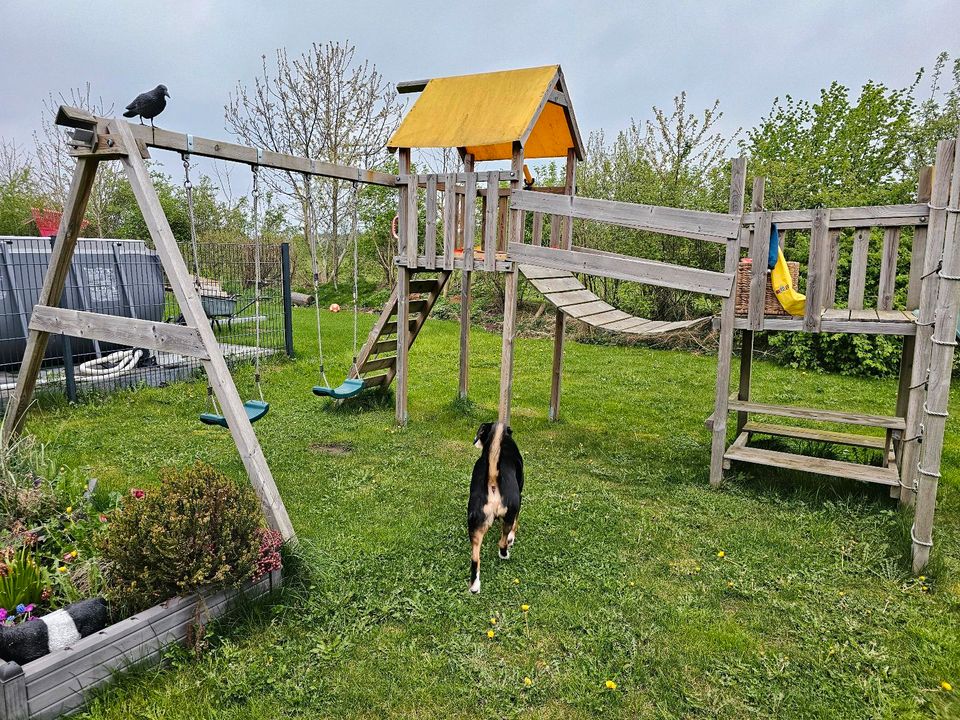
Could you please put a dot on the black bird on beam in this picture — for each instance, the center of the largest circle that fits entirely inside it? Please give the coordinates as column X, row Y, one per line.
column 149, row 104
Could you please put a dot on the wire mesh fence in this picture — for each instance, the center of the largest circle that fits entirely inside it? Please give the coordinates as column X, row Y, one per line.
column 125, row 278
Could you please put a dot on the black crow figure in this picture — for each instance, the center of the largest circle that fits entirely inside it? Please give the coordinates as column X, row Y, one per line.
column 149, row 104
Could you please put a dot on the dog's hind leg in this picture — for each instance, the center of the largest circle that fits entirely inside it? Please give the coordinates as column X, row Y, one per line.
column 476, row 540
column 508, row 535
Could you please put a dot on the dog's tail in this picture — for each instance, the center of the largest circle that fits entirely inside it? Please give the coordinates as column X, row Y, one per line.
column 493, row 467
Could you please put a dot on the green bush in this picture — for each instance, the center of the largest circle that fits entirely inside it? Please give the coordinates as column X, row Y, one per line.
column 22, row 581
column 200, row 528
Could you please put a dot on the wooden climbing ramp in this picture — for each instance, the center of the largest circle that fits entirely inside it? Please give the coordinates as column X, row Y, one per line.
column 567, row 293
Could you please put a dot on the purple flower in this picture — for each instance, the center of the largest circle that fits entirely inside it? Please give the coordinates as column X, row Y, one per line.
column 29, row 608
column 3, row 614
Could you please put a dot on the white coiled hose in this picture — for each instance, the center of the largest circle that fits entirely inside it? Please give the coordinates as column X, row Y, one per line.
column 112, row 365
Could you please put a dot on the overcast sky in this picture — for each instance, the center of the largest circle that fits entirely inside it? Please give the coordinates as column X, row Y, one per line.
column 619, row 58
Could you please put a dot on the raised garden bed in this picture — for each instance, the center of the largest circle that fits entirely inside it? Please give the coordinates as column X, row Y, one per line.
column 59, row 683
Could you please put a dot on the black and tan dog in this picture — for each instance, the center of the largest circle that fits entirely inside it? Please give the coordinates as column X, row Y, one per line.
column 495, row 491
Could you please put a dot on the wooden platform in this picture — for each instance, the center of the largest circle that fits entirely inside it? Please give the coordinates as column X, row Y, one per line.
column 568, row 294
column 868, row 322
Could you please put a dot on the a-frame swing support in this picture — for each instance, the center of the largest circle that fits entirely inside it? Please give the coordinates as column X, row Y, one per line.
column 196, row 339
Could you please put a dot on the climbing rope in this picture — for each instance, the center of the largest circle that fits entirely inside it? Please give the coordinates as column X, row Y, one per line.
column 256, row 277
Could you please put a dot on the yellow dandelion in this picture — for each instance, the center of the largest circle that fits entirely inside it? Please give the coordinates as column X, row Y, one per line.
column 516, row 581
column 922, row 578
column 611, row 685
column 524, row 607
column 527, row 681
column 632, row 583
column 73, row 553
column 842, row 593
column 697, row 568
column 69, row 509
column 62, row 568
column 491, row 634
column 946, row 686
column 729, row 583
column 493, row 621
column 721, row 554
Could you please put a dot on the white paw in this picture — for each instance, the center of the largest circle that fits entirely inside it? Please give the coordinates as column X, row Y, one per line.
column 505, row 553
column 475, row 588
column 511, row 539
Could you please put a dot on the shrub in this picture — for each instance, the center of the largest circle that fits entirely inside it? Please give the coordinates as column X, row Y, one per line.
column 199, row 528
column 22, row 582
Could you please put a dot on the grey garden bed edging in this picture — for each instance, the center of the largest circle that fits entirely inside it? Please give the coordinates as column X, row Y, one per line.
column 58, row 684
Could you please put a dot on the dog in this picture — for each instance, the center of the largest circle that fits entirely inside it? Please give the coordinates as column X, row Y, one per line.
column 495, row 491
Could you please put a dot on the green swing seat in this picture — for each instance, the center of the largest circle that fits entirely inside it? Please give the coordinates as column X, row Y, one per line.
column 256, row 409
column 347, row 389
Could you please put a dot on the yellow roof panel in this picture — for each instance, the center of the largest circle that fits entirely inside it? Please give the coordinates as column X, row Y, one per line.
column 487, row 113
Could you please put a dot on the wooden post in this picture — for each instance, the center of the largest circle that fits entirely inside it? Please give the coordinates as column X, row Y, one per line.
column 936, row 233
column 409, row 241
column 938, row 390
column 13, row 692
column 50, row 293
column 560, row 324
column 738, row 182
column 465, row 276
column 218, row 374
column 510, row 296
column 727, row 314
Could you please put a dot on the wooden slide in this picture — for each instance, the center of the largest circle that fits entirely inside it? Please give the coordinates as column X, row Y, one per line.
column 565, row 291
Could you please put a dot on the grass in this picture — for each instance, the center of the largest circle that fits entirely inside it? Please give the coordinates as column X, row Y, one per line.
column 810, row 613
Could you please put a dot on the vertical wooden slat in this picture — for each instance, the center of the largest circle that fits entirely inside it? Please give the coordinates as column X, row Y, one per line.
column 918, row 250
column 560, row 322
column 502, row 206
column 491, row 196
column 537, row 237
column 816, row 269
column 936, row 232
column 469, row 219
column 936, row 404
column 411, row 217
column 408, row 237
column 832, row 260
column 718, row 444
column 759, row 277
column 858, row 268
column 50, row 293
column 185, row 291
column 738, row 178
column 430, row 228
column 888, row 268
column 449, row 220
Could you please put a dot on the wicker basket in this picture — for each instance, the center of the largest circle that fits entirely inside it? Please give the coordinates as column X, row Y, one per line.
column 771, row 306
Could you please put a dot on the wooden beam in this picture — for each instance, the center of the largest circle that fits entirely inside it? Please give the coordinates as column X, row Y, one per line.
column 816, row 269
column 50, row 293
column 408, row 204
column 411, row 86
column 181, row 282
column 560, row 321
column 222, row 150
column 430, row 225
column 818, row 415
column 694, row 224
column 121, row 330
column 624, row 267
column 866, row 216
column 746, row 335
column 510, row 299
column 888, row 268
column 759, row 275
column 467, row 223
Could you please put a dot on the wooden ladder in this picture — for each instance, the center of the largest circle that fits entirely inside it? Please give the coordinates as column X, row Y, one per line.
column 379, row 353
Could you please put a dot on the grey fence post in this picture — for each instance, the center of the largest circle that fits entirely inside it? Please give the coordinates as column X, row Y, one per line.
column 287, row 298
column 13, row 693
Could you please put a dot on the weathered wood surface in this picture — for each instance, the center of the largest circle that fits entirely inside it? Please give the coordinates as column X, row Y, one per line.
column 919, row 247
column 626, row 268
column 888, row 268
column 430, row 226
column 816, row 269
column 50, row 293
column 858, row 268
column 759, row 275
column 865, row 216
column 490, row 223
column 746, row 336
column 218, row 374
column 59, row 683
column 449, row 224
column 936, row 404
column 818, row 415
column 695, row 224
column 842, row 324
column 121, row 330
column 815, row 465
column 816, row 435
column 560, row 321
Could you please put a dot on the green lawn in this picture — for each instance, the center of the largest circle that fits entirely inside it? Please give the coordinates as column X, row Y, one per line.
column 811, row 613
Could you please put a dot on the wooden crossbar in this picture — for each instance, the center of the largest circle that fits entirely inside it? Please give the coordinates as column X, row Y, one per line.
column 624, row 267
column 866, row 216
column 694, row 224
column 121, row 330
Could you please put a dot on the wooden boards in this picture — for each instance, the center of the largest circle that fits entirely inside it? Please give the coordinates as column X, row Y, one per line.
column 694, row 224
column 819, row 466
column 818, row 415
column 624, row 267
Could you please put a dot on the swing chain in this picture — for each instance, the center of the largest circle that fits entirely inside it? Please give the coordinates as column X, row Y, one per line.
column 188, row 188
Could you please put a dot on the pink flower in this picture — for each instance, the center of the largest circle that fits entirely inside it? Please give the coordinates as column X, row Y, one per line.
column 3, row 614
column 103, row 518
column 137, row 493
column 68, row 557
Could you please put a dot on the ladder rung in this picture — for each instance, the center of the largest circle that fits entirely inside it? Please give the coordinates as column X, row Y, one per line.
column 844, row 418
column 378, row 364
column 384, row 346
column 819, row 466
column 391, row 327
column 424, row 286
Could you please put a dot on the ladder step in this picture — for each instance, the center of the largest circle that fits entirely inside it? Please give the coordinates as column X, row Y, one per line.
column 426, row 285
column 881, row 421
column 378, row 364
column 391, row 327
column 819, row 466
column 384, row 346
column 801, row 433
column 374, row 380
column 416, row 307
